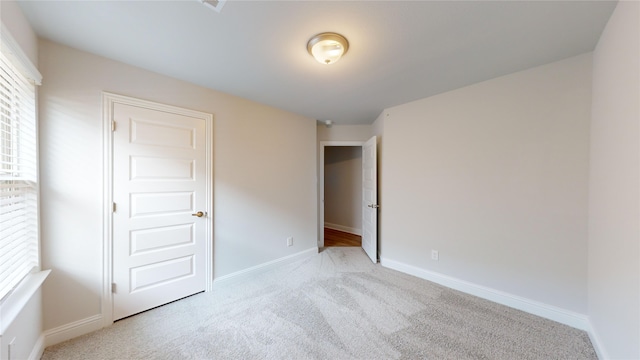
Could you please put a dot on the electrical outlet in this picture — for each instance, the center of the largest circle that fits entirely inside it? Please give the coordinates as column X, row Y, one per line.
column 290, row 241
column 435, row 255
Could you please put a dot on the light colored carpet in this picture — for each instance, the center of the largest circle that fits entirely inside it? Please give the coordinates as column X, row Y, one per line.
column 336, row 305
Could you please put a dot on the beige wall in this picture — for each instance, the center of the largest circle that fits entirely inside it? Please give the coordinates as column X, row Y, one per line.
column 25, row 331
column 494, row 176
column 614, row 197
column 343, row 188
column 263, row 164
column 13, row 18
column 344, row 132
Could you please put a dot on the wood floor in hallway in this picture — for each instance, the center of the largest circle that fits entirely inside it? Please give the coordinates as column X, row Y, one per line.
column 340, row 238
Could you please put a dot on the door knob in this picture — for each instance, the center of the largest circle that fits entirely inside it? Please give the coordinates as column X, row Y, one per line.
column 373, row 206
column 198, row 214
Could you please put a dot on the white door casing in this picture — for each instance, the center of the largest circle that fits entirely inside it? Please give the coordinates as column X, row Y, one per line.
column 161, row 176
column 370, row 199
column 369, row 194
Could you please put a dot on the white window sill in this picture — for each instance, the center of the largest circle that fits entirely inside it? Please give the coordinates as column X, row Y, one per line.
column 19, row 297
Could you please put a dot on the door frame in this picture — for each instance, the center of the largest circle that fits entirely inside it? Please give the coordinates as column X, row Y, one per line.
column 108, row 101
column 324, row 144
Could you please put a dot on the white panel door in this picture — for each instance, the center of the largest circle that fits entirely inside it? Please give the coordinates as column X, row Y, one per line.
column 370, row 199
column 159, row 183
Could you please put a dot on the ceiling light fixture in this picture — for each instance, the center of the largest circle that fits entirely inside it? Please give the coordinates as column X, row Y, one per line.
column 327, row 47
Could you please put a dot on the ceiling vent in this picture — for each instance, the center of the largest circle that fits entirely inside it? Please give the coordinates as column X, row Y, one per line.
column 214, row 4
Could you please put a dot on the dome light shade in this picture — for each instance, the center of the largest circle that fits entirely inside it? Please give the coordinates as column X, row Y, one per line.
column 327, row 48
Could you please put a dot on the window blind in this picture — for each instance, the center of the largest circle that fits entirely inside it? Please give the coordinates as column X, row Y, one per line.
column 18, row 177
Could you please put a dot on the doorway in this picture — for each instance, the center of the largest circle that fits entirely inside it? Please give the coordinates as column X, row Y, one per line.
column 369, row 198
column 343, row 196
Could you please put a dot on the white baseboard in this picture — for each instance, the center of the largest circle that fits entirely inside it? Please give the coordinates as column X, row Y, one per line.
column 597, row 342
column 266, row 266
column 38, row 349
column 350, row 230
column 72, row 330
column 576, row 320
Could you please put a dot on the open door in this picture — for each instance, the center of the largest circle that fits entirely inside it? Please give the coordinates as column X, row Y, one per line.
column 370, row 199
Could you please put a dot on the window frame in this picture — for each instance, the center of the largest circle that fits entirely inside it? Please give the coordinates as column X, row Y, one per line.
column 19, row 295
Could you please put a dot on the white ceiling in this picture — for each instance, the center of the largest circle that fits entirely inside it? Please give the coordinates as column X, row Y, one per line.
column 399, row 50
